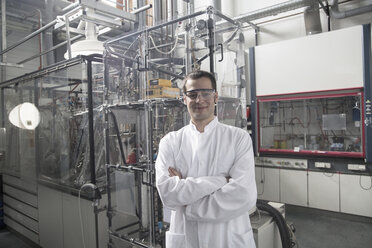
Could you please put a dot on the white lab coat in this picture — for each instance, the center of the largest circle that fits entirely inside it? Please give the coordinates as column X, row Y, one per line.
column 206, row 210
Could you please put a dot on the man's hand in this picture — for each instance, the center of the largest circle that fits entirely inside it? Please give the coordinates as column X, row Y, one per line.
column 173, row 172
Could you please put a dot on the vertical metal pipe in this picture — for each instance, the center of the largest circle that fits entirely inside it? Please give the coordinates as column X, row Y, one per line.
column 253, row 103
column 312, row 19
column 139, row 175
column 3, row 38
column 211, row 43
column 68, row 38
column 151, row 175
column 188, row 60
column 41, row 46
column 367, row 75
column 142, row 15
column 37, row 133
column 90, row 124
column 91, row 141
column 3, row 59
column 157, row 6
column 172, row 9
column 2, row 108
column 190, row 7
column 96, row 224
column 47, row 36
column 106, row 140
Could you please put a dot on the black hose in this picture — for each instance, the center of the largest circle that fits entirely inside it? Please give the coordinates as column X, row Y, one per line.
column 118, row 136
column 279, row 220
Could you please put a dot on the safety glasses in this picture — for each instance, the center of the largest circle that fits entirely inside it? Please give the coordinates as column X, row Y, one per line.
column 202, row 93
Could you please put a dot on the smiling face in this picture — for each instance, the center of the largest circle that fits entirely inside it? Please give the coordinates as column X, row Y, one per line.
column 201, row 109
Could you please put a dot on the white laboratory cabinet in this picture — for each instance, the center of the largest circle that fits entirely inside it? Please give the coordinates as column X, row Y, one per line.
column 345, row 193
column 293, row 187
column 267, row 180
column 50, row 217
column 59, row 221
column 324, row 190
column 356, row 194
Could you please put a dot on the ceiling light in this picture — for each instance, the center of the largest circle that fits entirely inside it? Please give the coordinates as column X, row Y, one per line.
column 25, row 116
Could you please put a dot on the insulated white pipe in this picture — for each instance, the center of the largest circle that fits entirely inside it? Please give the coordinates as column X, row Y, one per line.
column 312, row 19
column 90, row 31
column 181, row 8
column 335, row 13
column 273, row 10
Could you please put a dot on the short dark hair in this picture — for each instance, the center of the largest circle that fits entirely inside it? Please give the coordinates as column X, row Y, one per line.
column 200, row 74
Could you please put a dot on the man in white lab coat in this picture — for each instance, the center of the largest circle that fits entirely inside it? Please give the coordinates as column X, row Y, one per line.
column 205, row 175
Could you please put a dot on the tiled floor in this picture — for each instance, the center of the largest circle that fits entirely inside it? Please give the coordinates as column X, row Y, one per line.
column 314, row 229
column 10, row 240
column 324, row 229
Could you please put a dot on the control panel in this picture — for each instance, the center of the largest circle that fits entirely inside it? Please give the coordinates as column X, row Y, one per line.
column 281, row 162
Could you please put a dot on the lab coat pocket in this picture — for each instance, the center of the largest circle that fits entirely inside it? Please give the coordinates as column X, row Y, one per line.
column 175, row 240
column 244, row 240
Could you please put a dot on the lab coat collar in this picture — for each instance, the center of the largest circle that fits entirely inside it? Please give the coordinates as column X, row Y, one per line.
column 210, row 126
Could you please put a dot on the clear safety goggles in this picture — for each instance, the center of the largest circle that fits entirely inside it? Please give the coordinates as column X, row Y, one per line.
column 202, row 93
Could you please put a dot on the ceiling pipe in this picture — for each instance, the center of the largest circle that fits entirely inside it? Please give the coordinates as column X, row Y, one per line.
column 273, row 10
column 335, row 13
column 141, row 9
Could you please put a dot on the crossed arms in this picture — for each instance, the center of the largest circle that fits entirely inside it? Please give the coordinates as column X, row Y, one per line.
column 209, row 198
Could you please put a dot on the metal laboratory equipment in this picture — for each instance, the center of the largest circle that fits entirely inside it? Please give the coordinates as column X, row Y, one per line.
column 100, row 123
column 143, row 75
column 46, row 165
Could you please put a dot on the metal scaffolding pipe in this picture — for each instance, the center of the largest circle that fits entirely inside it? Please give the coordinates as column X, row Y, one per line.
column 50, row 50
column 154, row 28
column 29, row 36
column 143, row 8
column 70, row 7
